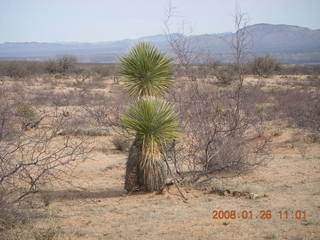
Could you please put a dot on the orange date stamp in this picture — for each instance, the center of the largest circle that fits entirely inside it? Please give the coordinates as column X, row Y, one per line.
column 261, row 214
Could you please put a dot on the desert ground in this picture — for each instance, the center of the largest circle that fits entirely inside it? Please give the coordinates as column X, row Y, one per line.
column 90, row 202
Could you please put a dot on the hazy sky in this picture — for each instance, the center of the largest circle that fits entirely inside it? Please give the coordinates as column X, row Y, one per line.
column 101, row 20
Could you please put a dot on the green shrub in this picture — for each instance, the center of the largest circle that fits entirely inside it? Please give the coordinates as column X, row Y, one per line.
column 259, row 109
column 66, row 63
column 15, row 69
column 62, row 64
column 51, row 66
column 58, row 76
column 27, row 114
column 264, row 66
column 225, row 74
column 25, row 110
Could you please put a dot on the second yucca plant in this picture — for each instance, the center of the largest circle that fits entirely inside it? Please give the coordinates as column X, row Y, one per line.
column 154, row 123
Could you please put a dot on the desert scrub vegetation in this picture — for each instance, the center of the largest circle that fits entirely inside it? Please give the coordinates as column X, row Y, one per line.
column 264, row 66
column 9, row 215
column 216, row 131
column 28, row 115
column 225, row 74
column 20, row 69
column 121, row 143
column 58, row 67
column 28, row 159
column 299, row 69
column 153, row 122
column 74, row 97
column 22, row 228
column 218, row 123
column 61, row 64
column 301, row 107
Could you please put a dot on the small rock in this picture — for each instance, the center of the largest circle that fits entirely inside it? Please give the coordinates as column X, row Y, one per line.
column 290, row 145
column 246, row 195
column 226, row 193
column 276, row 133
column 236, row 194
column 253, row 196
column 305, row 222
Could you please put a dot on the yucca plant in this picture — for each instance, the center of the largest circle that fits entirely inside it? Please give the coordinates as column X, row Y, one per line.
column 154, row 123
column 146, row 71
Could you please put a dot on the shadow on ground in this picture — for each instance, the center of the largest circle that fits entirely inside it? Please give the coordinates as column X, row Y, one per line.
column 83, row 194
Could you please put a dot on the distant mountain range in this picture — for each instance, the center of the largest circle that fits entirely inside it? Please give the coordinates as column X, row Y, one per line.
column 290, row 44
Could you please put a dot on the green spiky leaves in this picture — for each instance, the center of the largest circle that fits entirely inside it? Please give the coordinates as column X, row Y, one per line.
column 151, row 119
column 146, row 71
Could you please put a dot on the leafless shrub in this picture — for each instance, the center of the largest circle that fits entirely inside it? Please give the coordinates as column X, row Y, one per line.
column 9, row 215
column 296, row 81
column 61, row 64
column 31, row 160
column 20, row 69
column 51, row 66
column 80, row 131
column 66, row 63
column 87, row 82
column 58, row 67
column 207, row 69
column 313, row 80
column 180, row 43
column 121, row 143
column 216, row 132
column 217, row 122
column 28, row 231
column 258, row 103
column 299, row 69
column 107, row 112
column 16, row 113
column 97, row 82
column 225, row 74
column 82, row 77
column 301, row 106
column 7, row 128
column 105, row 70
column 314, row 137
column 50, row 233
column 28, row 159
column 67, row 98
column 46, row 198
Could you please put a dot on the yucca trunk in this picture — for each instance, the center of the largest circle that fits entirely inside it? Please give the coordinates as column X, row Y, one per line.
column 146, row 169
column 131, row 179
column 152, row 168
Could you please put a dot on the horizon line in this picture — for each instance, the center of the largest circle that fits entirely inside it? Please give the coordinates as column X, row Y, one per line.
column 159, row 34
